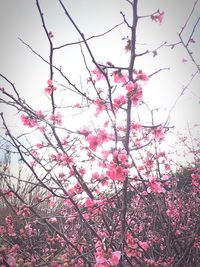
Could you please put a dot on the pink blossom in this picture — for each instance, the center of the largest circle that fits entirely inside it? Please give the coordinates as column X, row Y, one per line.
column 159, row 133
column 42, row 129
column 40, row 114
column 115, row 257
column 28, row 121
column 136, row 126
column 103, row 136
column 39, row 145
column 99, row 74
column 50, row 88
column 122, row 156
column 100, row 106
column 56, row 118
column 63, row 159
column 137, row 97
column 143, row 245
column 141, row 76
column 155, row 186
column 53, row 220
column 93, row 142
column 11, row 261
column 119, row 101
column 119, row 77
column 101, row 262
column 116, row 172
column 158, row 17
column 131, row 86
column 89, row 202
column 52, row 203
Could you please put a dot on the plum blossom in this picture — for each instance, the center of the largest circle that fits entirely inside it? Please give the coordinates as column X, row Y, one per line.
column 137, row 97
column 63, row 159
column 28, row 121
column 93, row 142
column 119, row 101
column 50, row 88
column 119, row 77
column 158, row 17
column 130, row 86
column 141, row 76
column 115, row 257
column 99, row 74
column 40, row 114
column 100, row 106
column 103, row 136
column 101, row 262
column 53, row 220
column 159, row 133
column 136, row 126
column 143, row 245
column 154, row 186
column 116, row 172
column 56, row 118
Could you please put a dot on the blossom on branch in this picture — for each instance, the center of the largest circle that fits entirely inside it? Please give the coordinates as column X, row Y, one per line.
column 158, row 17
column 119, row 77
column 50, row 88
column 28, row 121
column 56, row 118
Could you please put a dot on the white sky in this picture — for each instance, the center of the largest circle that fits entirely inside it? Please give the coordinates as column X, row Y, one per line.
column 21, row 19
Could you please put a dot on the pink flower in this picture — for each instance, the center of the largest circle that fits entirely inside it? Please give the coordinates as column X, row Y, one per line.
column 141, row 76
column 155, row 186
column 89, row 202
column 101, row 262
column 103, row 136
column 39, row 145
column 93, row 142
column 40, row 114
column 63, row 159
column 50, row 88
column 52, row 203
column 98, row 73
column 116, row 172
column 115, row 257
column 158, row 17
column 119, row 77
column 122, row 156
column 143, row 245
column 137, row 97
column 28, row 121
column 136, row 126
column 11, row 261
column 56, row 118
column 100, row 106
column 53, row 220
column 119, row 101
column 131, row 86
column 159, row 133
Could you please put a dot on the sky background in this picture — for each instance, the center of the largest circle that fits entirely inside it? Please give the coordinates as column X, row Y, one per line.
column 21, row 19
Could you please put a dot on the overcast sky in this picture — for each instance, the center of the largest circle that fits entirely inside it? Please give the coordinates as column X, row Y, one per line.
column 21, row 19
